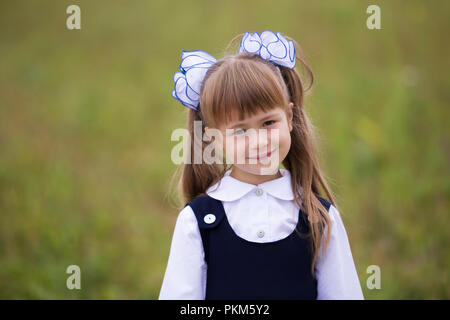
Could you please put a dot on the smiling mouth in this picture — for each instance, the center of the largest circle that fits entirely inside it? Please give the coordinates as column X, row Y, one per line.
column 263, row 156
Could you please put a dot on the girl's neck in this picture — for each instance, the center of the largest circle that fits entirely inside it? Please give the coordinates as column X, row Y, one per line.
column 253, row 178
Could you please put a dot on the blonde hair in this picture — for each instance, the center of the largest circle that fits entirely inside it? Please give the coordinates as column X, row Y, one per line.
column 247, row 84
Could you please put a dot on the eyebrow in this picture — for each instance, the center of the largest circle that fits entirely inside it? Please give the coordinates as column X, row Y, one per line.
column 273, row 114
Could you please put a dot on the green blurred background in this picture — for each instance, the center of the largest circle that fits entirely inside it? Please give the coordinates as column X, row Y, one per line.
column 86, row 119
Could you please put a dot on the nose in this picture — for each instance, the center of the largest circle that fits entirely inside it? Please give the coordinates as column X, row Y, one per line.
column 259, row 142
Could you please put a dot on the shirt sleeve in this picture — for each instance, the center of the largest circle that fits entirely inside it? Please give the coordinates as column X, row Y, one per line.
column 185, row 276
column 336, row 274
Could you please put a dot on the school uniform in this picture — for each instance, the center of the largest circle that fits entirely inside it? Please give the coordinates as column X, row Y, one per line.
column 239, row 242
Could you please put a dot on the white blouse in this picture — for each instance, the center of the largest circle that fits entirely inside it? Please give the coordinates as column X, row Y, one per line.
column 258, row 213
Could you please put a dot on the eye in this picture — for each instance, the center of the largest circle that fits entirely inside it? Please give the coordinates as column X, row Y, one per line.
column 269, row 122
column 238, row 131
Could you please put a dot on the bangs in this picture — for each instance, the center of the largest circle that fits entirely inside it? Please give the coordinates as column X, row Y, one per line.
column 241, row 85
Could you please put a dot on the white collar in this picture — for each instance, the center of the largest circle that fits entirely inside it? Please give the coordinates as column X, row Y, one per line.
column 230, row 189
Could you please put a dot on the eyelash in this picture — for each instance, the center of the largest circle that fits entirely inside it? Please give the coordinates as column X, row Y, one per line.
column 236, row 132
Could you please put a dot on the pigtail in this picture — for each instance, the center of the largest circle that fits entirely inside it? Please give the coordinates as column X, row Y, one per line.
column 302, row 162
column 197, row 178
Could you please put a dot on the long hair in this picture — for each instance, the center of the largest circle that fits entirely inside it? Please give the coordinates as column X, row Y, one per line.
column 246, row 83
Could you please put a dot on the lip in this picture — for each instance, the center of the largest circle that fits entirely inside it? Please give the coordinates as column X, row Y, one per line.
column 266, row 155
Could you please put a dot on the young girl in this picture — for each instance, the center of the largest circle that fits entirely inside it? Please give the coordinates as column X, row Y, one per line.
column 249, row 231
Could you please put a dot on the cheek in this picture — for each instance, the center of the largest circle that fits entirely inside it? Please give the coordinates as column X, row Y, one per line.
column 280, row 136
column 286, row 147
column 235, row 144
column 286, row 138
column 283, row 140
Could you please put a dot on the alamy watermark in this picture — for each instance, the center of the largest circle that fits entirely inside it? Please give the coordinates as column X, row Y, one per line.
column 374, row 20
column 74, row 20
column 374, row 280
column 74, row 280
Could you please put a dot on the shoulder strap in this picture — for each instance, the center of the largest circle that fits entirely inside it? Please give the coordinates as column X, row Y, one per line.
column 209, row 213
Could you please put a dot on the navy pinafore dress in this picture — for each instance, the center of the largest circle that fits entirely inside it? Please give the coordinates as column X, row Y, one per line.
column 239, row 269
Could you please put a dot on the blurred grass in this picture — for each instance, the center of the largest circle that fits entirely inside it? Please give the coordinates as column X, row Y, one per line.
column 86, row 118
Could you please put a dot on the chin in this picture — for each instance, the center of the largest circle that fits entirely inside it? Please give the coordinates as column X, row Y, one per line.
column 260, row 169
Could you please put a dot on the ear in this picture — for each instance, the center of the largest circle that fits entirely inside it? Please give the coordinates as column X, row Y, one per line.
column 290, row 115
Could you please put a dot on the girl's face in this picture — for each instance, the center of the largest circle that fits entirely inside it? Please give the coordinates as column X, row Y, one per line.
column 258, row 144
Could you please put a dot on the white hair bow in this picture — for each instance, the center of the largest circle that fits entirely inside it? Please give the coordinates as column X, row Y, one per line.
column 188, row 81
column 269, row 46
